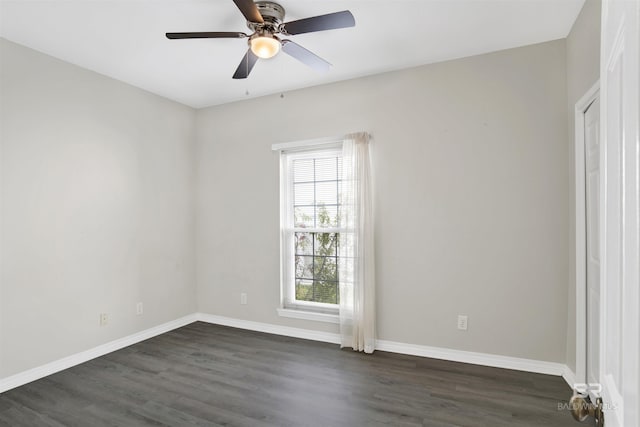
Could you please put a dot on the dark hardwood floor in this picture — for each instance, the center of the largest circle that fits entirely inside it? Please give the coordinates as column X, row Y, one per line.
column 210, row 375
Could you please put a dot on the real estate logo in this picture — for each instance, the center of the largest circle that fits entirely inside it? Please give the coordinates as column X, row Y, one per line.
column 583, row 389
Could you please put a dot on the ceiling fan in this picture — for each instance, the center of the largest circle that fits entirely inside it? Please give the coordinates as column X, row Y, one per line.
column 265, row 20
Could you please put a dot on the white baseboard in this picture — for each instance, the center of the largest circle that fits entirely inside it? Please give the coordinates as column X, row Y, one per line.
column 269, row 328
column 569, row 376
column 484, row 359
column 75, row 359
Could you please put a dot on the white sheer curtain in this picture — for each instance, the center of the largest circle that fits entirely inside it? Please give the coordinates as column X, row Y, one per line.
column 357, row 274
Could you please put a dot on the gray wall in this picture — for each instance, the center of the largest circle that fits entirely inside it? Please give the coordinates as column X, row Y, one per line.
column 97, row 209
column 472, row 207
column 473, row 201
column 583, row 70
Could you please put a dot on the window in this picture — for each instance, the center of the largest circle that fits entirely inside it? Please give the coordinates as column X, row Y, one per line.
column 311, row 182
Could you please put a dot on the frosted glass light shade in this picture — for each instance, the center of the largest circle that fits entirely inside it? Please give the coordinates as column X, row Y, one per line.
column 265, row 47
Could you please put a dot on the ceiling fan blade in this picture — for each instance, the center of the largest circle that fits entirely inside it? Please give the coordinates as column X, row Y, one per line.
column 249, row 10
column 330, row 21
column 246, row 65
column 206, row 35
column 306, row 57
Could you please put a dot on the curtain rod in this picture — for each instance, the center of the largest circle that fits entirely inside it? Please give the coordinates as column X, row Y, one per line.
column 311, row 142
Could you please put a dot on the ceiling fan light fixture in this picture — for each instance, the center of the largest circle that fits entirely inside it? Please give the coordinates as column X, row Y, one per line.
column 265, row 46
column 265, row 19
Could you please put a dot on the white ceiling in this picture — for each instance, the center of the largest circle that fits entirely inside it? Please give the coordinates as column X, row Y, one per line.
column 124, row 39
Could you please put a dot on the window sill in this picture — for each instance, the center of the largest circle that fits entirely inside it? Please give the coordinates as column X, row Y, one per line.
column 308, row 315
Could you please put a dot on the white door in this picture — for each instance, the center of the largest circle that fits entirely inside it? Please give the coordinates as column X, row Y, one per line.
column 592, row 253
column 620, row 223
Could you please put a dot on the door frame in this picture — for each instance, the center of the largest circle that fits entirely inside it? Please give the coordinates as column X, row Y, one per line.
column 580, row 231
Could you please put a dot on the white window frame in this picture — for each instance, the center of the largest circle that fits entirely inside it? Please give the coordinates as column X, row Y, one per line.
column 290, row 307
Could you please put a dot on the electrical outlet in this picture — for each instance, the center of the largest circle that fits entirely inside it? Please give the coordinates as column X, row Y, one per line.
column 139, row 309
column 243, row 298
column 104, row 319
column 462, row 322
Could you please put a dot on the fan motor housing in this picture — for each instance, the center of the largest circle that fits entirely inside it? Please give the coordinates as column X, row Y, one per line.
column 272, row 13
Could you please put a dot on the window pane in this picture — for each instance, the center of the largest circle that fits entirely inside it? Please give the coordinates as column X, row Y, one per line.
column 304, row 267
column 326, row 193
column 348, row 241
column 326, row 292
column 304, row 243
column 345, row 188
column 303, row 194
column 326, row 244
column 304, row 217
column 327, row 216
column 326, row 169
column 325, row 269
column 346, row 267
column 304, row 290
column 303, row 170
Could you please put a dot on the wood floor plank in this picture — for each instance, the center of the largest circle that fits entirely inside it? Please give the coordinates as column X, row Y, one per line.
column 210, row 375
